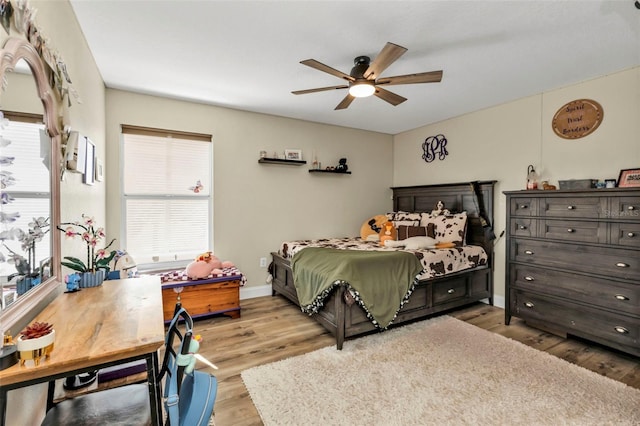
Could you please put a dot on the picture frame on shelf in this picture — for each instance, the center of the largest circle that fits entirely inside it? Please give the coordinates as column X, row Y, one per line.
column 293, row 154
column 629, row 178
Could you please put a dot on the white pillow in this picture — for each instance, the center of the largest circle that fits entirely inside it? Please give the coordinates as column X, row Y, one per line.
column 413, row 243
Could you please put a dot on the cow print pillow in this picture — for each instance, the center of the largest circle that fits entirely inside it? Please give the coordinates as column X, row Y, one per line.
column 447, row 229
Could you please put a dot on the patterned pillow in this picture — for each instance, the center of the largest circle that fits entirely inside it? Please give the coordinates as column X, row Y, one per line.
column 405, row 232
column 401, row 218
column 447, row 229
column 398, row 223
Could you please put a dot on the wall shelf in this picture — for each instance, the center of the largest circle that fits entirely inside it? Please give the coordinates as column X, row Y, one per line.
column 279, row 161
column 337, row 172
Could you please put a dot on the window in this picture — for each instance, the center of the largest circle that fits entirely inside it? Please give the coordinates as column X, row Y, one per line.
column 25, row 156
column 166, row 188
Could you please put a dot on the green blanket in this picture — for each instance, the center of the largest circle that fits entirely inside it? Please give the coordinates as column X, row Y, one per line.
column 381, row 279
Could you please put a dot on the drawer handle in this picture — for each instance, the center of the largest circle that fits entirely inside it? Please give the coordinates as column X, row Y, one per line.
column 570, row 207
column 631, row 208
column 529, row 304
column 529, row 252
column 621, row 297
column 622, row 265
column 529, row 278
column 620, row 329
column 451, row 291
column 524, row 206
column 522, row 227
column 570, row 230
column 631, row 235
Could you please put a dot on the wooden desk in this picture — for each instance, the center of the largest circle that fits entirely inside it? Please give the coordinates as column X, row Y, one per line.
column 97, row 327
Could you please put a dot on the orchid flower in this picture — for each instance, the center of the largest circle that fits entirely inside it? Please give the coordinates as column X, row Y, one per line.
column 91, row 235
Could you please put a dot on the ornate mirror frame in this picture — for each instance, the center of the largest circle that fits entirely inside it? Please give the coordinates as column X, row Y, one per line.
column 13, row 51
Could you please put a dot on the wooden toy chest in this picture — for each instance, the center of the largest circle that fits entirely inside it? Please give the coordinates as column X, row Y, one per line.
column 202, row 298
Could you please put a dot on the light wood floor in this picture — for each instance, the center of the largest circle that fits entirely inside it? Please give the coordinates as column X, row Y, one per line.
column 271, row 329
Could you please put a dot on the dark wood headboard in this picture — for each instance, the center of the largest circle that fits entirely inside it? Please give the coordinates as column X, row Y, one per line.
column 457, row 197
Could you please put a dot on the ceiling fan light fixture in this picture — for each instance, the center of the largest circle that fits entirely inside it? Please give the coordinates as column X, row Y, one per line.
column 362, row 89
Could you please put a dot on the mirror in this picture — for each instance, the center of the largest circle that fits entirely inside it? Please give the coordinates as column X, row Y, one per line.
column 43, row 271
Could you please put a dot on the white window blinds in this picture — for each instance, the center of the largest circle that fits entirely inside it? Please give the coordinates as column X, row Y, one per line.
column 25, row 155
column 167, row 195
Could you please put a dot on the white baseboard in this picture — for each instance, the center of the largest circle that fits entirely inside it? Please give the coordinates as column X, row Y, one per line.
column 255, row 291
column 498, row 301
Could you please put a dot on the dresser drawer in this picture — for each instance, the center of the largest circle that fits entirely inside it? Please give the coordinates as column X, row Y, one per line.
column 606, row 327
column 626, row 234
column 524, row 206
column 523, row 227
column 574, row 230
column 573, row 207
column 606, row 293
column 448, row 291
column 604, row 261
column 625, row 208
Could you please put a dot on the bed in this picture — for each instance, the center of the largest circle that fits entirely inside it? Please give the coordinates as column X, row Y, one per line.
column 341, row 310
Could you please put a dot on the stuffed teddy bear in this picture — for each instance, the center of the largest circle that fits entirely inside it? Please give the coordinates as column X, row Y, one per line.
column 204, row 265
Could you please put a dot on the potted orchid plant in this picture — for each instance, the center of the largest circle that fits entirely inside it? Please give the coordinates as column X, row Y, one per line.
column 96, row 267
column 28, row 273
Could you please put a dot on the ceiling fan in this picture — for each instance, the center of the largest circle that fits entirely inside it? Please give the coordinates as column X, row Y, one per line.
column 364, row 79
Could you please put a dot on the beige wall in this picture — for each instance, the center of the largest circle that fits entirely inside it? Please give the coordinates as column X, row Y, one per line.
column 256, row 206
column 500, row 142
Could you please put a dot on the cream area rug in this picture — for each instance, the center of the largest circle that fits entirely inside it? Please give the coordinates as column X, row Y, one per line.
column 436, row 372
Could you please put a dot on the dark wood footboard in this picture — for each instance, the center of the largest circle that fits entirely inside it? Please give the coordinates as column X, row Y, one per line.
column 344, row 318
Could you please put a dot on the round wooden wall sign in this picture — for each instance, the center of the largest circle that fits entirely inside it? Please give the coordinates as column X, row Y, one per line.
column 577, row 119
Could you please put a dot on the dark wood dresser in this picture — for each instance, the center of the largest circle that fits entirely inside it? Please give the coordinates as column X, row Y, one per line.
column 573, row 263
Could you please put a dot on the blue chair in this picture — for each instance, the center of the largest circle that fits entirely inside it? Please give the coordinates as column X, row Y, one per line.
column 189, row 395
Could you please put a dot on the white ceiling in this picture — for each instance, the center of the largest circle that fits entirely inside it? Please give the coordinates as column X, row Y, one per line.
column 245, row 54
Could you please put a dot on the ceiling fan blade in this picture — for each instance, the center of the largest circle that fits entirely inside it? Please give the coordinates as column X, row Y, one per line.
column 326, row 68
column 388, row 96
column 319, row 89
column 388, row 55
column 345, row 102
column 423, row 77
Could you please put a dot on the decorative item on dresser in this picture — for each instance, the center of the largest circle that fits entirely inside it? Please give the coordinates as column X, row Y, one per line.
column 573, row 263
column 629, row 178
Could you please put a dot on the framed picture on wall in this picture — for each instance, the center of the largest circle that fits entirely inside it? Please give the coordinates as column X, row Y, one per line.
column 629, row 178
column 99, row 170
column 76, row 154
column 89, row 171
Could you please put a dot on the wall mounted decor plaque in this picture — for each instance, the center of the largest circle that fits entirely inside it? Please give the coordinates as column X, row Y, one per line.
column 434, row 146
column 577, row 119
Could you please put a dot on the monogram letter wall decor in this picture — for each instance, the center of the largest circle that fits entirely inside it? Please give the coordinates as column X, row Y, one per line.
column 434, row 146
